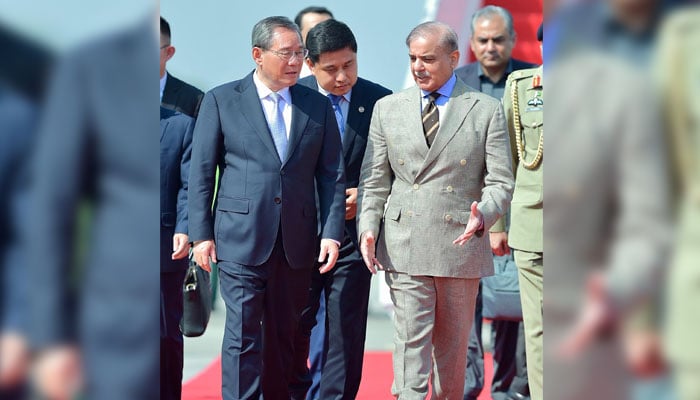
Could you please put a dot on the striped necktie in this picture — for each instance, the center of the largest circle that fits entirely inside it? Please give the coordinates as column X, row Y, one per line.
column 431, row 119
column 277, row 127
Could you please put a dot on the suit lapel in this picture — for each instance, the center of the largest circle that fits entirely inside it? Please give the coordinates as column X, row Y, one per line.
column 299, row 120
column 459, row 105
column 358, row 114
column 163, row 123
column 473, row 77
column 252, row 111
column 163, row 127
column 413, row 122
column 170, row 90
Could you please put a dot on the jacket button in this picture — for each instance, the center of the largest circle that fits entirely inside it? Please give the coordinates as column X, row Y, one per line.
column 281, row 172
column 463, row 162
column 449, row 188
column 400, row 161
column 416, row 186
column 448, row 217
column 277, row 200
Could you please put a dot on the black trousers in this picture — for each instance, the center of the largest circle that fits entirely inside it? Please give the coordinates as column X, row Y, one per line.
column 346, row 289
column 263, row 307
column 171, row 343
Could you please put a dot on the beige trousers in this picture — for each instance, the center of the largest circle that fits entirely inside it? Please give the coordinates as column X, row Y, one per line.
column 530, row 274
column 432, row 320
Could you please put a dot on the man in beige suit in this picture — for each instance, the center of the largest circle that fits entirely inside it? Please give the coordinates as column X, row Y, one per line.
column 440, row 150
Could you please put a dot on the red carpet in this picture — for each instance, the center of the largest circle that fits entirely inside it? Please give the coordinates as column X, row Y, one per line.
column 376, row 380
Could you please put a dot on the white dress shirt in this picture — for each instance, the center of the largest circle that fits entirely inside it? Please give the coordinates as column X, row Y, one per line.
column 268, row 104
column 163, row 79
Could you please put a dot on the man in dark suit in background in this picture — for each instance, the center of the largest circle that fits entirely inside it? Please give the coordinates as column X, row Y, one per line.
column 492, row 42
column 333, row 62
column 174, row 93
column 175, row 152
column 277, row 147
column 307, row 19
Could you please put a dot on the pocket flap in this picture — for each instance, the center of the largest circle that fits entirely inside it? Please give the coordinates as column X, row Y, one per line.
column 233, row 205
column 393, row 213
column 528, row 194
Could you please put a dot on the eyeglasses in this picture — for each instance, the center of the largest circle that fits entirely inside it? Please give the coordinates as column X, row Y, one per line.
column 288, row 55
column 165, row 46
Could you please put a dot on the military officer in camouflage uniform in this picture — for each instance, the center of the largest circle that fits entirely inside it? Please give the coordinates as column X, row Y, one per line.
column 523, row 103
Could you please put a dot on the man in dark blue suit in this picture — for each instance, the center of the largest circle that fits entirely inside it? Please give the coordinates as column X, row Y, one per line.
column 492, row 41
column 333, row 62
column 175, row 152
column 175, row 93
column 277, row 147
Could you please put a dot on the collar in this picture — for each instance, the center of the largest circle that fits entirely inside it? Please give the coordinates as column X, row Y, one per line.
column 445, row 90
column 163, row 79
column 324, row 92
column 264, row 91
column 509, row 69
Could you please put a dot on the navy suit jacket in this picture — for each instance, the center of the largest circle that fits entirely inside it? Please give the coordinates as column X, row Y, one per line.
column 364, row 95
column 175, row 152
column 469, row 73
column 259, row 193
column 181, row 96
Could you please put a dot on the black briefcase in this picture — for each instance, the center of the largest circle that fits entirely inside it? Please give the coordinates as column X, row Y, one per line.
column 196, row 292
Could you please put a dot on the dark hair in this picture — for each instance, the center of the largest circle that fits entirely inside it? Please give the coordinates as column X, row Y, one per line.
column 329, row 35
column 265, row 29
column 164, row 28
column 311, row 9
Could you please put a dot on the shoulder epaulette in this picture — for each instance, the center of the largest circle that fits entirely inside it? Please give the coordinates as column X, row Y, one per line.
column 522, row 74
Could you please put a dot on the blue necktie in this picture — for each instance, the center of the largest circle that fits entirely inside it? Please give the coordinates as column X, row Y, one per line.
column 277, row 127
column 335, row 100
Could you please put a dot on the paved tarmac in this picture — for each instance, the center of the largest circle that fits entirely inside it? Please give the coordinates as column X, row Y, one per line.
column 201, row 351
